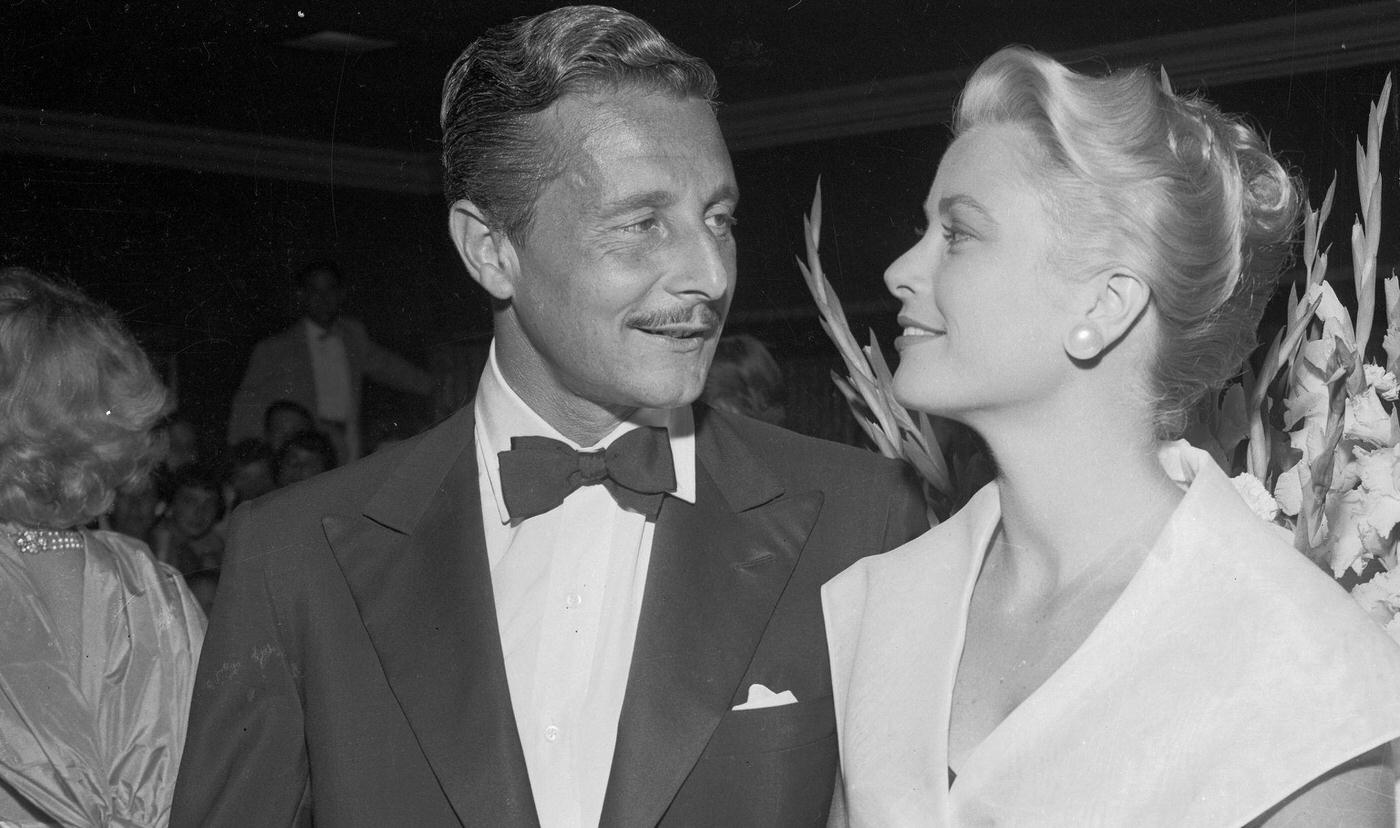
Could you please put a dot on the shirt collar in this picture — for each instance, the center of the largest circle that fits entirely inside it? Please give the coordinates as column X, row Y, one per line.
column 315, row 332
column 501, row 415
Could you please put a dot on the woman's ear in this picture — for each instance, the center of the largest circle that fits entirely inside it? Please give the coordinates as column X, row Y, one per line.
column 1118, row 300
column 487, row 253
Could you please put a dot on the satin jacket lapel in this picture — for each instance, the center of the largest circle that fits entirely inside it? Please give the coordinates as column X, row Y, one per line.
column 417, row 566
column 717, row 571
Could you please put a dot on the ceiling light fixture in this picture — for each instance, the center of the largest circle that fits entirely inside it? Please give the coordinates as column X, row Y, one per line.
column 339, row 42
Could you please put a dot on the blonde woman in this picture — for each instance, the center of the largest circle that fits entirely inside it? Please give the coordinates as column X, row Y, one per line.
column 98, row 642
column 1105, row 635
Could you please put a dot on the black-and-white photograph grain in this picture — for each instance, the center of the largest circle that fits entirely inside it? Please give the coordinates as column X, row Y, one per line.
column 753, row 413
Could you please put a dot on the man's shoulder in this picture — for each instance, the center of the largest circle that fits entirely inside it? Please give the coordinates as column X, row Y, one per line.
column 390, row 488
column 793, row 453
column 869, row 503
column 341, row 489
column 346, row 489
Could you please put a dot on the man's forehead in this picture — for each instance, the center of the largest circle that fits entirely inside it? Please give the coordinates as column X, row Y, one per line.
column 605, row 140
column 627, row 119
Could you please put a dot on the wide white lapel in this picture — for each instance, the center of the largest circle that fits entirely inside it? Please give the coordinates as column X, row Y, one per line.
column 895, row 625
column 1228, row 673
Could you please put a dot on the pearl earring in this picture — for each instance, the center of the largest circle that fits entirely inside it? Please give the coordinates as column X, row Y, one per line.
column 1085, row 341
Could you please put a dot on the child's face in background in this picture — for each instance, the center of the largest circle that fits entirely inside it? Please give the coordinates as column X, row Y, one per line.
column 299, row 464
column 283, row 425
column 135, row 511
column 252, row 480
column 194, row 511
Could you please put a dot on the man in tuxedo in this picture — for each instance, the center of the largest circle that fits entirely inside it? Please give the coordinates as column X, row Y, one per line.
column 320, row 363
column 580, row 600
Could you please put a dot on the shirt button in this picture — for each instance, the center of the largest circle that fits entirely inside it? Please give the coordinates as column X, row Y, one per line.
column 551, row 734
column 573, row 599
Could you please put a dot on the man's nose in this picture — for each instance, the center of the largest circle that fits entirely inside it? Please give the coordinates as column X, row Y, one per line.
column 707, row 265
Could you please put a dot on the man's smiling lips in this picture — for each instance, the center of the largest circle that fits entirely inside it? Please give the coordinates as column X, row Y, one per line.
column 678, row 331
column 685, row 338
column 692, row 327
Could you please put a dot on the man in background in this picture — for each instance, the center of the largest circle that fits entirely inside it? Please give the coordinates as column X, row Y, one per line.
column 321, row 363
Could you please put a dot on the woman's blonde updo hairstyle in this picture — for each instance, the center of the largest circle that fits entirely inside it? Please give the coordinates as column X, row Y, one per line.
column 78, row 400
column 1164, row 186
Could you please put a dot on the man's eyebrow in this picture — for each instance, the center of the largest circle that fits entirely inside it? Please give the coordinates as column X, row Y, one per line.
column 728, row 192
column 659, row 199
column 637, row 201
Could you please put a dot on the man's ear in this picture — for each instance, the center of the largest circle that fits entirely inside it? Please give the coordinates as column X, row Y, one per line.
column 487, row 253
column 1121, row 299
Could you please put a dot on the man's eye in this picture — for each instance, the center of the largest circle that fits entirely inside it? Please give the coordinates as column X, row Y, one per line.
column 722, row 222
column 644, row 226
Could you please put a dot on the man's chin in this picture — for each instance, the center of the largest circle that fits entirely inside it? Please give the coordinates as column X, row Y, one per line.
column 661, row 402
column 672, row 397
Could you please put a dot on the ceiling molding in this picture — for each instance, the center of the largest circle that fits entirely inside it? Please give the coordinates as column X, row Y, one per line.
column 122, row 141
column 1350, row 36
column 1297, row 44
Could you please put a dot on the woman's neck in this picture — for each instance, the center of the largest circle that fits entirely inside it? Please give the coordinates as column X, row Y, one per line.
column 1078, row 499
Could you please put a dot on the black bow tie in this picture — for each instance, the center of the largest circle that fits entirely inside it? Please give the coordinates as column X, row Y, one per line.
column 537, row 473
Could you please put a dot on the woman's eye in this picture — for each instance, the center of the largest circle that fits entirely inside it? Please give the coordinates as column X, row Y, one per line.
column 952, row 235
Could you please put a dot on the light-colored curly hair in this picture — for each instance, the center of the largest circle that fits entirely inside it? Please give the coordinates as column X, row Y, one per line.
column 78, row 400
column 1165, row 185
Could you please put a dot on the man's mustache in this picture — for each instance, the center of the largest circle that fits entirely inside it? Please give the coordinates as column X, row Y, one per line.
column 699, row 317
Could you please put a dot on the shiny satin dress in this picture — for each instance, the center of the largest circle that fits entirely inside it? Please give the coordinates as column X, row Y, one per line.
column 1229, row 674
column 100, row 744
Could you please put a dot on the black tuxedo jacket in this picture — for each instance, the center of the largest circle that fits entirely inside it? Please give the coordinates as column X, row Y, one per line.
column 352, row 673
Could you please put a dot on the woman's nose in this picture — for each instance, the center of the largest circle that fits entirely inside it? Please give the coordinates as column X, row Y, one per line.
column 901, row 277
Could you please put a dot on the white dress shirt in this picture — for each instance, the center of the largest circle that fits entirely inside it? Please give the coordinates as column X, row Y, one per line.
column 568, row 587
column 331, row 368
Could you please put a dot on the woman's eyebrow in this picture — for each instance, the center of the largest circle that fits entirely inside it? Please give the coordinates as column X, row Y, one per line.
column 947, row 203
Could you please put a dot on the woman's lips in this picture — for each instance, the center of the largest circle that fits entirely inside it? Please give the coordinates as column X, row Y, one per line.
column 914, row 333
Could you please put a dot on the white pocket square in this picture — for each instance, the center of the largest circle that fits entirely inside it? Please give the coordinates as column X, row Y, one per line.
column 760, row 697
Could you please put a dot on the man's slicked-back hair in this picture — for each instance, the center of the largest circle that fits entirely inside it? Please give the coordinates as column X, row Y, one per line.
column 493, row 150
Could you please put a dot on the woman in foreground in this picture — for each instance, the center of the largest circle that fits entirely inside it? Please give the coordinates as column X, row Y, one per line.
column 1107, row 634
column 98, row 643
